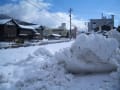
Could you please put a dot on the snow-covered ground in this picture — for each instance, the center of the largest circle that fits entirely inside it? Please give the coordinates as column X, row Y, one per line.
column 32, row 64
column 31, row 43
column 14, row 55
column 40, row 68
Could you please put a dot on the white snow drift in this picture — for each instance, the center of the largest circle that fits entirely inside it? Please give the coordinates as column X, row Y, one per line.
column 38, row 69
column 114, row 34
column 91, row 53
column 37, row 72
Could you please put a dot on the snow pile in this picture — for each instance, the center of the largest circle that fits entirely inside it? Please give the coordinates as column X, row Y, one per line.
column 39, row 71
column 43, row 52
column 35, row 68
column 114, row 34
column 91, row 53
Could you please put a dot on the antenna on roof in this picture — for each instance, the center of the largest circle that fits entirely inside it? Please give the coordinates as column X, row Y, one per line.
column 102, row 16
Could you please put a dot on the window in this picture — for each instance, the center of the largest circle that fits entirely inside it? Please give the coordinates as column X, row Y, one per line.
column 94, row 23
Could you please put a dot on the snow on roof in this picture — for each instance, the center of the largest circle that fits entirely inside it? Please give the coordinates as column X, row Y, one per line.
column 3, row 21
column 35, row 26
column 57, row 35
column 28, row 27
column 23, row 34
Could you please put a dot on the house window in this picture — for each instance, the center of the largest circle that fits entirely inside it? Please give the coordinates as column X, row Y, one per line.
column 94, row 23
column 105, row 27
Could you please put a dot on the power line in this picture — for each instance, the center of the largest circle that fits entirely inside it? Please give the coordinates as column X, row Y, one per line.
column 35, row 5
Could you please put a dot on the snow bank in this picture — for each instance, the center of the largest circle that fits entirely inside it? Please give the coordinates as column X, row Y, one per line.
column 114, row 34
column 91, row 53
column 43, row 52
column 43, row 71
column 39, row 71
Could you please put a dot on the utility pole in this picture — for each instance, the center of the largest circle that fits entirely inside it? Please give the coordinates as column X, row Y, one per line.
column 70, row 11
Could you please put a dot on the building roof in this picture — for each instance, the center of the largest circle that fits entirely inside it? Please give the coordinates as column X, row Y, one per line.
column 4, row 21
column 35, row 26
column 100, row 19
column 28, row 27
column 23, row 22
column 4, row 16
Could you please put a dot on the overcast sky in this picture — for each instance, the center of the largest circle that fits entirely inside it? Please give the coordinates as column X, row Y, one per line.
column 53, row 12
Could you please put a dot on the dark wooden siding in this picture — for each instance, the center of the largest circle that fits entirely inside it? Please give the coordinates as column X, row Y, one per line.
column 1, row 32
column 25, row 31
column 10, row 31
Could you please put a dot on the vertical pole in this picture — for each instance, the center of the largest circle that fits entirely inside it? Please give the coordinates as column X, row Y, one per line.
column 70, row 23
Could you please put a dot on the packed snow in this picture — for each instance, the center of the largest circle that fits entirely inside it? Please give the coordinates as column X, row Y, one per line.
column 91, row 53
column 52, row 67
column 32, row 68
column 14, row 55
column 114, row 34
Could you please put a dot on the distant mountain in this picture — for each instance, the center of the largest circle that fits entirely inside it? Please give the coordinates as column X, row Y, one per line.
column 4, row 16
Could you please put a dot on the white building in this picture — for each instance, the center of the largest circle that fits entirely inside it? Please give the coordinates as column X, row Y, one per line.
column 103, row 24
column 63, row 26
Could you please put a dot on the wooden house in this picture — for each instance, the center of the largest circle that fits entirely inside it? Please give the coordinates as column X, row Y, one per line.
column 8, row 30
column 40, row 30
column 27, row 32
